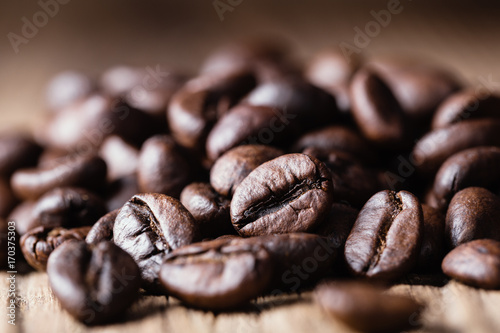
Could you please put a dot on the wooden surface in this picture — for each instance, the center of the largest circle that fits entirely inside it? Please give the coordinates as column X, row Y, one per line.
column 453, row 307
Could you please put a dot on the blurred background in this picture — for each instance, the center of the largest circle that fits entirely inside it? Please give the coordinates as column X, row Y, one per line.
column 91, row 36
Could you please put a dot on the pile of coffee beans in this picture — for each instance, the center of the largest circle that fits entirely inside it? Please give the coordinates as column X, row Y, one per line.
column 258, row 176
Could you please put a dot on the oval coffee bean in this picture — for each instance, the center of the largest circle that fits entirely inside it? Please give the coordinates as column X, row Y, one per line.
column 102, row 230
column 148, row 227
column 120, row 157
column 66, row 88
column 217, row 274
column 471, row 167
column 94, row 283
column 434, row 148
column 40, row 242
column 472, row 214
column 365, row 307
column 233, row 166
column 292, row 193
column 16, row 152
column 476, row 263
column 385, row 240
column 432, row 249
column 162, row 168
column 87, row 171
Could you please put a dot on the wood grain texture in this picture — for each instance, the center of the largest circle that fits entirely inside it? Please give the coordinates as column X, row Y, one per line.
column 453, row 307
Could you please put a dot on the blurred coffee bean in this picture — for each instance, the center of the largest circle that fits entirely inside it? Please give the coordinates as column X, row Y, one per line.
column 16, row 152
column 476, row 263
column 233, row 166
column 66, row 88
column 148, row 227
column 87, row 171
column 385, row 240
column 38, row 243
column 291, row 193
column 94, row 283
column 120, row 157
column 22, row 214
column 432, row 248
column 102, row 230
column 472, row 214
column 120, row 191
column 162, row 168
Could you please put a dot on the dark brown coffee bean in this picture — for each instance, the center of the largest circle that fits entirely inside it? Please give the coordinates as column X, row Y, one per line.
column 367, row 308
column 292, row 193
column 332, row 71
column 472, row 214
column 7, row 199
column 232, row 274
column 66, row 88
column 16, row 152
column 209, row 209
column 434, row 148
column 94, row 283
column 338, row 225
column 195, row 108
column 162, row 168
column 102, row 230
column 432, row 249
column 151, row 225
column 234, row 165
column 377, row 112
column 385, row 240
column 120, row 191
column 464, row 105
column 88, row 171
column 40, row 242
column 471, row 167
column 120, row 157
column 476, row 263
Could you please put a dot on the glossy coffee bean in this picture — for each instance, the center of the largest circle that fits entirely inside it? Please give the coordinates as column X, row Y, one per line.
column 94, row 283
column 233, row 166
column 434, row 148
column 291, row 193
column 16, row 152
column 432, row 249
column 102, row 230
column 87, row 171
column 7, row 198
column 66, row 88
column 232, row 274
column 385, row 240
column 472, row 214
column 367, row 308
column 476, row 263
column 120, row 157
column 209, row 209
column 38, row 243
column 377, row 112
column 195, row 108
column 148, row 227
column 162, row 168
column 464, row 105
column 471, row 167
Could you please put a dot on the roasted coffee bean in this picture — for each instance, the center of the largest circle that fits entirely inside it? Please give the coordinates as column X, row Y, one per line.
column 337, row 138
column 247, row 124
column 385, row 240
column 102, row 230
column 338, row 225
column 419, row 87
column 472, row 214
column 7, row 199
column 38, row 243
column 365, row 307
column 16, row 152
column 120, row 157
column 291, row 193
column 120, row 191
column 148, row 227
column 217, row 275
column 332, row 71
column 94, row 283
column 232, row 167
column 377, row 112
column 471, row 167
column 434, row 148
column 432, row 249
column 209, row 209
column 162, row 168
column 66, row 88
column 86, row 171
column 195, row 108
column 466, row 104
column 476, row 263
